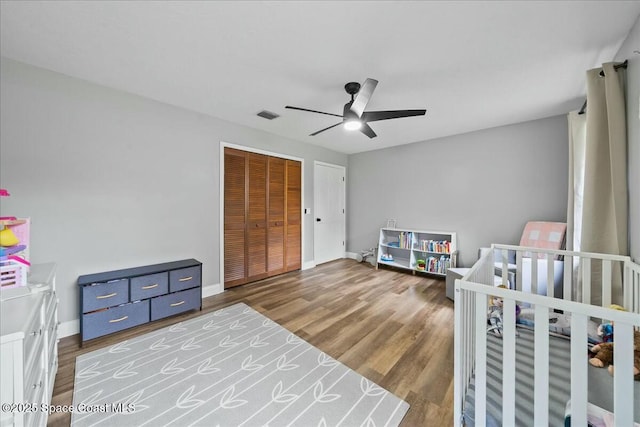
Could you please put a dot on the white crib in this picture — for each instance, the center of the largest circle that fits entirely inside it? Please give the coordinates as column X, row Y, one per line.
column 471, row 337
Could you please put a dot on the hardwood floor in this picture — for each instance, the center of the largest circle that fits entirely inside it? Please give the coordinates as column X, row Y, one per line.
column 392, row 327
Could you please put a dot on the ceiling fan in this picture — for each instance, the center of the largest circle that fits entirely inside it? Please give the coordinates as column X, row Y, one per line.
column 353, row 115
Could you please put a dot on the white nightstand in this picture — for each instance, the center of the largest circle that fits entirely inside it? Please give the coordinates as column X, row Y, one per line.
column 452, row 275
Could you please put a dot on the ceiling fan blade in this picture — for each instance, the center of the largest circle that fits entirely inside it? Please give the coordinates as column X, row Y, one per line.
column 322, row 130
column 366, row 129
column 311, row 111
column 372, row 116
column 364, row 95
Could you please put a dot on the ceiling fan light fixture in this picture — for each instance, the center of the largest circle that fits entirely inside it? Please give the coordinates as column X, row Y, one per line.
column 352, row 124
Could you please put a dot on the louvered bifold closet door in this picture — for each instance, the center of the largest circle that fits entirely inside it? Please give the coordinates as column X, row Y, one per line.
column 234, row 218
column 293, row 215
column 276, row 224
column 257, row 217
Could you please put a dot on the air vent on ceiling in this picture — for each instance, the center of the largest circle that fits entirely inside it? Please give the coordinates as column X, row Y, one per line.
column 268, row 115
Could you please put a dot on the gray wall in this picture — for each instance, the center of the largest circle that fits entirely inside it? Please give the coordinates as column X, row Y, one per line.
column 112, row 180
column 483, row 185
column 631, row 44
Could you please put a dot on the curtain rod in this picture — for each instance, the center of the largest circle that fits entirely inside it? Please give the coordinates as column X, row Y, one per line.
column 622, row 65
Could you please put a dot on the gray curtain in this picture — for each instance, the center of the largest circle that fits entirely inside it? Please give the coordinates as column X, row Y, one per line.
column 605, row 195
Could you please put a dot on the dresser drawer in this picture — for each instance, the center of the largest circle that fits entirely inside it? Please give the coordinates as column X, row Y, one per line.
column 32, row 344
column 114, row 319
column 148, row 286
column 168, row 305
column 34, row 374
column 104, row 295
column 184, row 278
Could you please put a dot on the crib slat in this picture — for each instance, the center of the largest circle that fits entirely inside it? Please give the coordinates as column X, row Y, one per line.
column 568, row 277
column 541, row 366
column 481, row 360
column 519, row 270
column 585, row 264
column 459, row 381
column 509, row 363
column 534, row 273
column 579, row 377
column 606, row 283
column 550, row 276
column 505, row 267
column 623, row 377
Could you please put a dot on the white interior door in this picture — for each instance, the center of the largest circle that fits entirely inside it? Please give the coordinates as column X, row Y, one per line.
column 329, row 217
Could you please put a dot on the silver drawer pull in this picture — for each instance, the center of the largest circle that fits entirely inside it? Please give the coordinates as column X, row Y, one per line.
column 38, row 384
column 184, row 279
column 118, row 320
column 175, row 304
column 107, row 296
column 155, row 285
column 33, row 333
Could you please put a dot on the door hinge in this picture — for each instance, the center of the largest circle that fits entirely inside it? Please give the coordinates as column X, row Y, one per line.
column 342, row 210
column 343, row 179
column 343, row 243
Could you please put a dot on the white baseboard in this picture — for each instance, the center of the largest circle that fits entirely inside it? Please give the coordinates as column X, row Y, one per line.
column 211, row 290
column 351, row 255
column 68, row 328
column 308, row 264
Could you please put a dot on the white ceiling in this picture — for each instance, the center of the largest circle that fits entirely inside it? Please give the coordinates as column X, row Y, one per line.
column 472, row 65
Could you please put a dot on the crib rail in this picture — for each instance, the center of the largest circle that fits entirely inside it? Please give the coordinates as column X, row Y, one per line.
column 472, row 295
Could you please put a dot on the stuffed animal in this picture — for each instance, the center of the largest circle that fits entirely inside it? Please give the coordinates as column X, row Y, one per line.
column 603, row 356
column 605, row 330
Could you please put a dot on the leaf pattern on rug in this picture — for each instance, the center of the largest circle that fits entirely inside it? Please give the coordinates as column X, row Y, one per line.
column 369, row 388
column 323, row 396
column 257, row 342
column 283, row 365
column 119, row 348
column 90, row 400
column 189, row 345
column 177, row 328
column 205, row 367
column 326, row 360
column 278, row 395
column 236, row 325
column 268, row 324
column 293, row 339
column 275, row 374
column 185, row 400
column 211, row 325
column 159, row 345
column 249, row 365
column 124, row 372
column 89, row 372
column 227, row 343
column 228, row 400
column 135, row 399
column 169, row 368
column 221, row 312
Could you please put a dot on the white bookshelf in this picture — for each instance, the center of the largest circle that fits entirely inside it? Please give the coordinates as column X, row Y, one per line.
column 407, row 248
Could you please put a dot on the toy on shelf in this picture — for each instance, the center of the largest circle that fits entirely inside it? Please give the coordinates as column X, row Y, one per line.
column 14, row 250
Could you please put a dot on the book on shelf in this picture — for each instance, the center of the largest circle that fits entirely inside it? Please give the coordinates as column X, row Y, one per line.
column 440, row 246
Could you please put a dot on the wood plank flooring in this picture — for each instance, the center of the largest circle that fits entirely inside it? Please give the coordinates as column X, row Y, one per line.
column 392, row 327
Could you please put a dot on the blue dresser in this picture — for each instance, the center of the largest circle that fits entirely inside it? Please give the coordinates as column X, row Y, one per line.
column 121, row 299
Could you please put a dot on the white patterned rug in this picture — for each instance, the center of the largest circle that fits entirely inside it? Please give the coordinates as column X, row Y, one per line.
column 232, row 367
